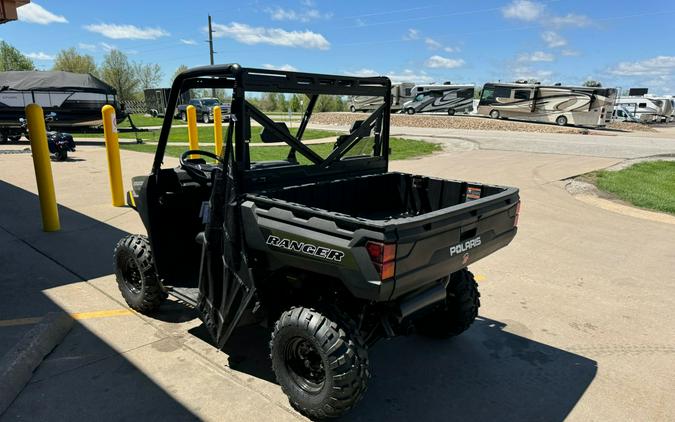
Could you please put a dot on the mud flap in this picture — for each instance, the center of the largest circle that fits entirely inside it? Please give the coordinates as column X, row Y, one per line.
column 226, row 285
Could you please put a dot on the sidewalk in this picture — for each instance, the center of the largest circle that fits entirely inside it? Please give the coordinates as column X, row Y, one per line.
column 114, row 364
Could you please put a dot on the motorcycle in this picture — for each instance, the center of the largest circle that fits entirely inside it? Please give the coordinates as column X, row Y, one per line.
column 59, row 143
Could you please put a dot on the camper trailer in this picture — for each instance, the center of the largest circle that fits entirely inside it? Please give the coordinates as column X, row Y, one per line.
column 636, row 109
column 446, row 98
column 400, row 93
column 665, row 108
column 75, row 98
column 575, row 105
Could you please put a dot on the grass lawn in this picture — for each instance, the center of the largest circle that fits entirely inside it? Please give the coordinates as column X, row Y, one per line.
column 205, row 134
column 141, row 120
column 401, row 149
column 647, row 185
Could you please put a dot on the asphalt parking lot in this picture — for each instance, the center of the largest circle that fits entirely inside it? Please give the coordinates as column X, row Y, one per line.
column 577, row 319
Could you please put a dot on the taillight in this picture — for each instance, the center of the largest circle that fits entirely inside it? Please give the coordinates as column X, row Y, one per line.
column 515, row 220
column 383, row 256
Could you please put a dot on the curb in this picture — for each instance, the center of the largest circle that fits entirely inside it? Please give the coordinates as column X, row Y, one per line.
column 18, row 364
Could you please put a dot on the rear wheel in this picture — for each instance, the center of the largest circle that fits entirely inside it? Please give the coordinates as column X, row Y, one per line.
column 561, row 121
column 410, row 111
column 61, row 155
column 183, row 116
column 205, row 118
column 451, row 112
column 352, row 109
column 494, row 114
column 320, row 362
column 459, row 310
column 136, row 276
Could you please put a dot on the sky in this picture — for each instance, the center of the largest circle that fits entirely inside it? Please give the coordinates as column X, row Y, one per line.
column 620, row 43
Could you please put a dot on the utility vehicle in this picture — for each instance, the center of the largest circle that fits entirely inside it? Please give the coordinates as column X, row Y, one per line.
column 331, row 251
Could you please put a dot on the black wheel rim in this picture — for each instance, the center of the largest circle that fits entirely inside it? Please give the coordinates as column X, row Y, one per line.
column 305, row 365
column 131, row 275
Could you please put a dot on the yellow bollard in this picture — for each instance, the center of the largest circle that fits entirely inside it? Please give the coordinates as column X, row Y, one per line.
column 112, row 147
column 218, row 130
column 193, row 133
column 43, row 168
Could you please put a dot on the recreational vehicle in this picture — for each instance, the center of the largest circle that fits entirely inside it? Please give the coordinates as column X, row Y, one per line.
column 576, row 105
column 400, row 93
column 636, row 109
column 665, row 105
column 446, row 98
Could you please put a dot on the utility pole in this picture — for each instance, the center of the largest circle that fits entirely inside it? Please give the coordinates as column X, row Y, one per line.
column 213, row 90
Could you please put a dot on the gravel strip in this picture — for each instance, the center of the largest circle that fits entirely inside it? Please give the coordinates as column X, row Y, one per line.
column 471, row 123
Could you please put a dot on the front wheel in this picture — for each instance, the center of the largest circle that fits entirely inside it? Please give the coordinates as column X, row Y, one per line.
column 136, row 275
column 451, row 112
column 320, row 362
column 205, row 118
column 459, row 310
column 410, row 111
column 183, row 116
column 352, row 109
column 561, row 121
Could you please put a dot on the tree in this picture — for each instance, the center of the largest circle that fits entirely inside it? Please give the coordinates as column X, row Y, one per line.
column 119, row 73
column 593, row 84
column 182, row 68
column 295, row 103
column 12, row 59
column 71, row 61
column 148, row 75
column 282, row 104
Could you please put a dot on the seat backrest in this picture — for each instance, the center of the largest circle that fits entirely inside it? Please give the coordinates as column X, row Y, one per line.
column 268, row 136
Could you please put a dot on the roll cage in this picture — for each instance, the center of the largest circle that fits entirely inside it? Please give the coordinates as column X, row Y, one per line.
column 242, row 80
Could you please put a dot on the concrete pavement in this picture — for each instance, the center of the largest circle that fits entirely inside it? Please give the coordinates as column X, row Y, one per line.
column 578, row 315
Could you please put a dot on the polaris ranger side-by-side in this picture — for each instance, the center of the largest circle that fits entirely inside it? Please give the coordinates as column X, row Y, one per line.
column 331, row 250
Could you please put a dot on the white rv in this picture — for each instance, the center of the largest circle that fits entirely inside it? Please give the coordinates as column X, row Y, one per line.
column 636, row 109
column 446, row 98
column 400, row 93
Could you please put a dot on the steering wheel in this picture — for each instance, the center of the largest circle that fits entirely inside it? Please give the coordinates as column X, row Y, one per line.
column 200, row 171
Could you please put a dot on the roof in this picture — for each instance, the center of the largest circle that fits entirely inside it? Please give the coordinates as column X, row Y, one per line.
column 33, row 80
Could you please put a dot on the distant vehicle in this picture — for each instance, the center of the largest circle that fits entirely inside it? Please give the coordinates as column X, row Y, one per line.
column 58, row 143
column 636, row 109
column 562, row 105
column 204, row 108
column 400, row 93
column 447, row 98
column 155, row 100
column 77, row 98
column 665, row 106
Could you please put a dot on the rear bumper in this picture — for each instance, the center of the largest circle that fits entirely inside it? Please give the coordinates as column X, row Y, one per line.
column 442, row 267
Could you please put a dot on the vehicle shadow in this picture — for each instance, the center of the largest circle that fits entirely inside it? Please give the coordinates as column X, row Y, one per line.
column 84, row 377
column 485, row 374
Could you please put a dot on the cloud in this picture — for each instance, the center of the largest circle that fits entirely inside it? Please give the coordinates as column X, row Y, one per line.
column 34, row 13
column 568, row 52
column 437, row 62
column 553, row 39
column 537, row 56
column 188, row 42
column 107, row 47
column 85, row 46
column 524, row 10
column 412, row 34
column 246, row 34
column 656, row 66
column 527, row 73
column 280, row 14
column 40, row 56
column 432, row 43
column 286, row 67
column 570, row 20
column 406, row 75
column 126, row 32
